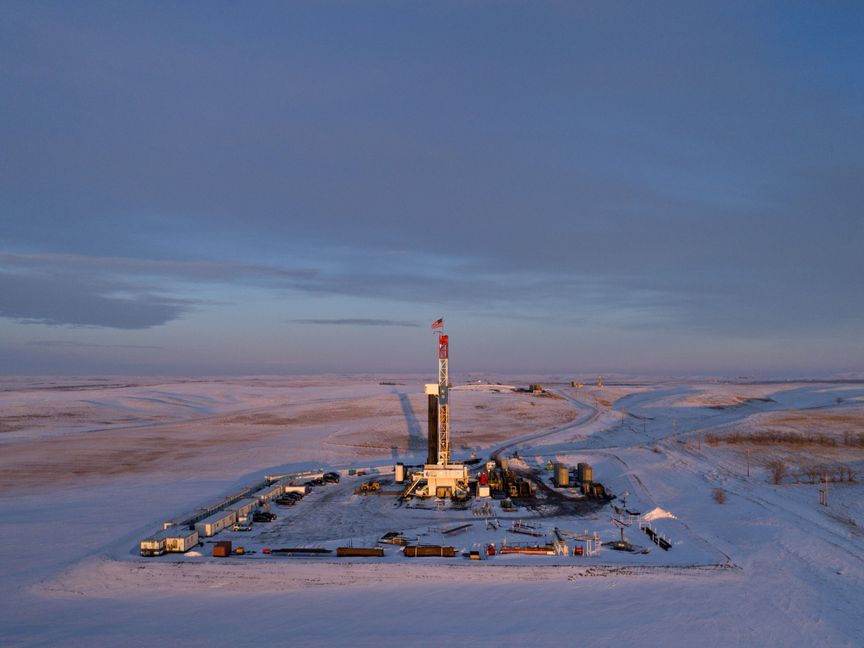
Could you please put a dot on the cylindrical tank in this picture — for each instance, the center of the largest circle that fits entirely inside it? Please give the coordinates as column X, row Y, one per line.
column 586, row 474
column 399, row 473
column 484, row 479
column 562, row 475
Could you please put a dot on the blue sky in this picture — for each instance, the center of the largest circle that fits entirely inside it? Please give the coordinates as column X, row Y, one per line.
column 207, row 188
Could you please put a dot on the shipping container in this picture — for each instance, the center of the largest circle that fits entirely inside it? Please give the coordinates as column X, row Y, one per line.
column 212, row 525
column 222, row 549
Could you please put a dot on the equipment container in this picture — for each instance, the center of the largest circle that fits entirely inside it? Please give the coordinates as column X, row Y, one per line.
column 222, row 549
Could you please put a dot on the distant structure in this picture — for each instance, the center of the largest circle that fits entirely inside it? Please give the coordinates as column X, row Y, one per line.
column 599, row 381
column 439, row 477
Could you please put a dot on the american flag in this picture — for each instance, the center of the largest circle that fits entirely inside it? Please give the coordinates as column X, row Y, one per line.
column 439, row 323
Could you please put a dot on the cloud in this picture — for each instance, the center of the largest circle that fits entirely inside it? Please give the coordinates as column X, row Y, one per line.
column 60, row 300
column 120, row 292
column 392, row 278
column 69, row 344
column 356, row 322
column 187, row 270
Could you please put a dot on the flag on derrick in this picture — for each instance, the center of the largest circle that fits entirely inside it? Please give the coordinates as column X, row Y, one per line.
column 439, row 323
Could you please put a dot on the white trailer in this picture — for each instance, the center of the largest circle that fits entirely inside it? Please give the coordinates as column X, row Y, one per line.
column 212, row 525
column 244, row 508
column 153, row 545
column 270, row 492
column 290, row 488
column 180, row 540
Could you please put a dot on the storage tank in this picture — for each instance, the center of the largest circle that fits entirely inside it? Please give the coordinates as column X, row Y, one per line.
column 586, row 474
column 562, row 475
column 399, row 473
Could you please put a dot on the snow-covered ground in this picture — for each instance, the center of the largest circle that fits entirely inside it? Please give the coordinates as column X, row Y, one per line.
column 89, row 466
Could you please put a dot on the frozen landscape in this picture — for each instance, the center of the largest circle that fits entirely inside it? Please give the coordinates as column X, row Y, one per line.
column 230, row 232
column 91, row 466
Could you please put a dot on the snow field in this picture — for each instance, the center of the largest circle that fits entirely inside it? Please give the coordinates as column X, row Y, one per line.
column 794, row 569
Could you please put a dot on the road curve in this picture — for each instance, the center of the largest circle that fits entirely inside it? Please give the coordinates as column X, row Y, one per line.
column 589, row 416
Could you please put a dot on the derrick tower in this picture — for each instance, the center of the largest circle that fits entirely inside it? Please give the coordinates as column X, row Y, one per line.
column 440, row 477
column 443, row 457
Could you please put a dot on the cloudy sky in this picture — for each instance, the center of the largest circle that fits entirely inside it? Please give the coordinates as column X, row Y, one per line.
column 208, row 188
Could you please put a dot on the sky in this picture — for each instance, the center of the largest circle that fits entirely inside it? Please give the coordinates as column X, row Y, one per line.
column 207, row 188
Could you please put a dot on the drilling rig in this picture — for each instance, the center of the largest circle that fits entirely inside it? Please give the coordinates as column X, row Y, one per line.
column 439, row 477
column 439, row 407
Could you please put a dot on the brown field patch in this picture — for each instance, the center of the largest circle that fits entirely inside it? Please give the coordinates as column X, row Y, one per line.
column 90, row 442
column 319, row 413
column 64, row 459
column 799, row 446
column 851, row 419
column 18, row 422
